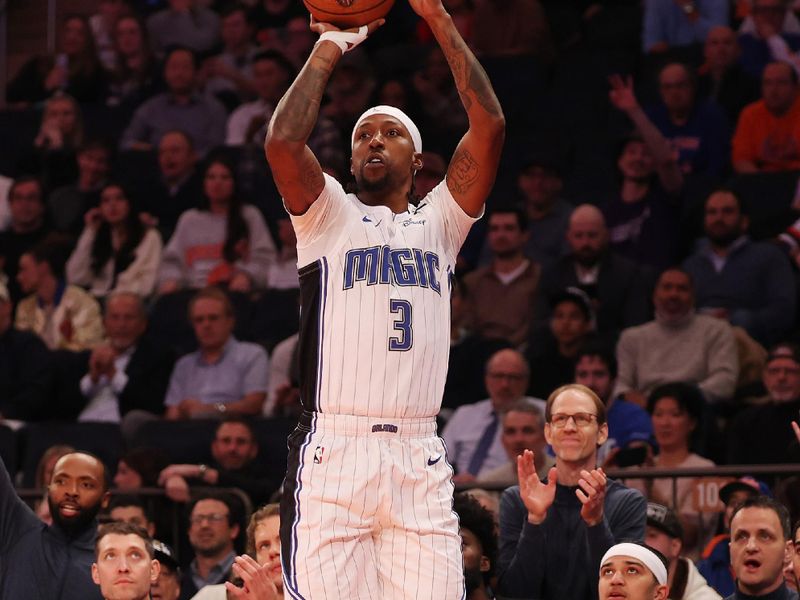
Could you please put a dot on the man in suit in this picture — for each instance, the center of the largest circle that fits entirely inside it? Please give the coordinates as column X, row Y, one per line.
column 127, row 373
column 618, row 287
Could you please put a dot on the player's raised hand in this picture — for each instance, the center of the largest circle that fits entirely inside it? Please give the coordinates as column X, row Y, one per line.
column 621, row 95
column 592, row 494
column 536, row 496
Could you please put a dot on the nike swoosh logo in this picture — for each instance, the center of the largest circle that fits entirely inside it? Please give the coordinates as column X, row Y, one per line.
column 433, row 461
column 366, row 219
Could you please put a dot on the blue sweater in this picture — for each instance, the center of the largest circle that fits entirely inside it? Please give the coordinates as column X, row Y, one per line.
column 756, row 285
column 560, row 559
column 40, row 562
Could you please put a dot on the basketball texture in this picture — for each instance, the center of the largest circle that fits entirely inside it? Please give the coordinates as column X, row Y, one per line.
column 346, row 14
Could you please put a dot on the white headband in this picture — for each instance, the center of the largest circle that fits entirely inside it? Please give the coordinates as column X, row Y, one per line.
column 397, row 114
column 648, row 558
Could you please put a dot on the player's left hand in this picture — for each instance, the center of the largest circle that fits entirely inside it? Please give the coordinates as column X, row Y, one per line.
column 592, row 494
column 256, row 584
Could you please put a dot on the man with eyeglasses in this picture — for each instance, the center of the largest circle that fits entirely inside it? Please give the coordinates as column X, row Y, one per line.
column 762, row 433
column 473, row 435
column 553, row 533
column 213, row 529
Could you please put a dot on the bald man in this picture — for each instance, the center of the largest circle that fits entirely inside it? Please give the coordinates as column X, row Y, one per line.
column 41, row 561
column 473, row 434
column 618, row 287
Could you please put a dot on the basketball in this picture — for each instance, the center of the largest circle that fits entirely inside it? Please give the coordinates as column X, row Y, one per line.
column 346, row 14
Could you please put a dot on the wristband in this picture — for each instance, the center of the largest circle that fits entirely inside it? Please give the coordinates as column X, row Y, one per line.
column 346, row 40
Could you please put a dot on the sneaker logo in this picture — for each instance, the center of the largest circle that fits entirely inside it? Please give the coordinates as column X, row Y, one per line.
column 432, row 461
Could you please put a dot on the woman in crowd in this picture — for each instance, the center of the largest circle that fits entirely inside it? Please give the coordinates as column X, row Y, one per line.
column 116, row 252
column 75, row 69
column 135, row 76
column 223, row 243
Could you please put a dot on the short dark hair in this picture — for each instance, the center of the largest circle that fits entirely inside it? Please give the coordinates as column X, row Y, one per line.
column 238, row 420
column 278, row 58
column 740, row 202
column 234, row 7
column 54, row 250
column 768, row 503
column 789, row 67
column 678, row 269
column 597, row 349
column 690, row 72
column 179, row 48
column 212, row 293
column 521, row 216
column 122, row 528
column 688, row 396
column 125, row 500
column 234, row 504
column 26, row 179
column 473, row 516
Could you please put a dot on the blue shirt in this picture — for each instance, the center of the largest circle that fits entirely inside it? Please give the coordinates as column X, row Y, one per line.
column 241, row 370
column 627, row 423
column 665, row 21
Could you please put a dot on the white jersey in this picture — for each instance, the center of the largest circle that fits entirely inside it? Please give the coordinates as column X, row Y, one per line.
column 375, row 302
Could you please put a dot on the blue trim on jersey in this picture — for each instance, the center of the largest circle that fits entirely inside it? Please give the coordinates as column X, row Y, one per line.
column 291, row 586
column 321, row 330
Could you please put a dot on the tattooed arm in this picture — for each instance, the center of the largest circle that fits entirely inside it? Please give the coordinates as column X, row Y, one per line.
column 473, row 167
column 296, row 171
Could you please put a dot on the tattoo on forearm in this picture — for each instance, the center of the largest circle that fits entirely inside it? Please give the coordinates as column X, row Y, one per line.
column 471, row 80
column 463, row 171
column 298, row 110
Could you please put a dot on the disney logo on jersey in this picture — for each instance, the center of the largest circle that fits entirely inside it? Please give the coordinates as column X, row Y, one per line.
column 384, row 265
column 411, row 221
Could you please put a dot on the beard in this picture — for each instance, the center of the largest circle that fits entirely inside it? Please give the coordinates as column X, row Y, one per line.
column 76, row 525
column 723, row 239
column 473, row 580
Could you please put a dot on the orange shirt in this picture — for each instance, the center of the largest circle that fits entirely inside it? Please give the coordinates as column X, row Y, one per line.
column 771, row 143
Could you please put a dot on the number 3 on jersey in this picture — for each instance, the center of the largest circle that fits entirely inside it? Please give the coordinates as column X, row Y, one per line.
column 402, row 324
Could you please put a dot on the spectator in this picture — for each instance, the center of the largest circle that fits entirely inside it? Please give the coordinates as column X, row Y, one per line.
column 28, row 227
column 629, row 424
column 677, row 413
column 116, row 251
column 501, row 295
column 553, row 353
column 53, row 561
column 762, row 433
column 715, row 565
column 125, row 566
column 184, row 23
column 282, row 273
column 721, row 78
column 75, row 69
column 234, row 451
column 515, row 28
column 44, row 473
column 168, row 584
column 522, row 428
column 664, row 533
column 550, row 533
column 749, row 284
column 134, row 76
column 633, row 570
column 25, row 368
column 442, row 108
column 670, row 25
column 469, row 352
column 472, row 435
column 230, row 73
column 642, row 215
column 139, row 468
column 541, row 182
column 760, row 542
column 67, row 205
column 224, row 376
column 180, row 107
column 796, row 554
column 696, row 130
column 272, row 18
column 64, row 316
column 766, row 39
column 349, row 91
column 177, row 187
column 283, row 394
column 131, row 509
column 619, row 289
column 272, row 74
column 478, row 546
column 128, row 372
column 213, row 528
column 60, row 135
column 678, row 345
column 767, row 136
column 102, row 24
column 222, row 243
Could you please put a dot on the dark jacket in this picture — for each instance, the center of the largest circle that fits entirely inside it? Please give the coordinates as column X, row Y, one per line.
column 782, row 593
column 148, row 374
column 40, row 562
column 560, row 558
column 26, row 375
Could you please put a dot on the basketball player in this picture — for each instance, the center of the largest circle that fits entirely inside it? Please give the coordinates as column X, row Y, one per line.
column 367, row 504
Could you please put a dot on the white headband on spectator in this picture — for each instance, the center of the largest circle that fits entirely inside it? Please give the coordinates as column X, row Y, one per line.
column 647, row 557
column 397, row 114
